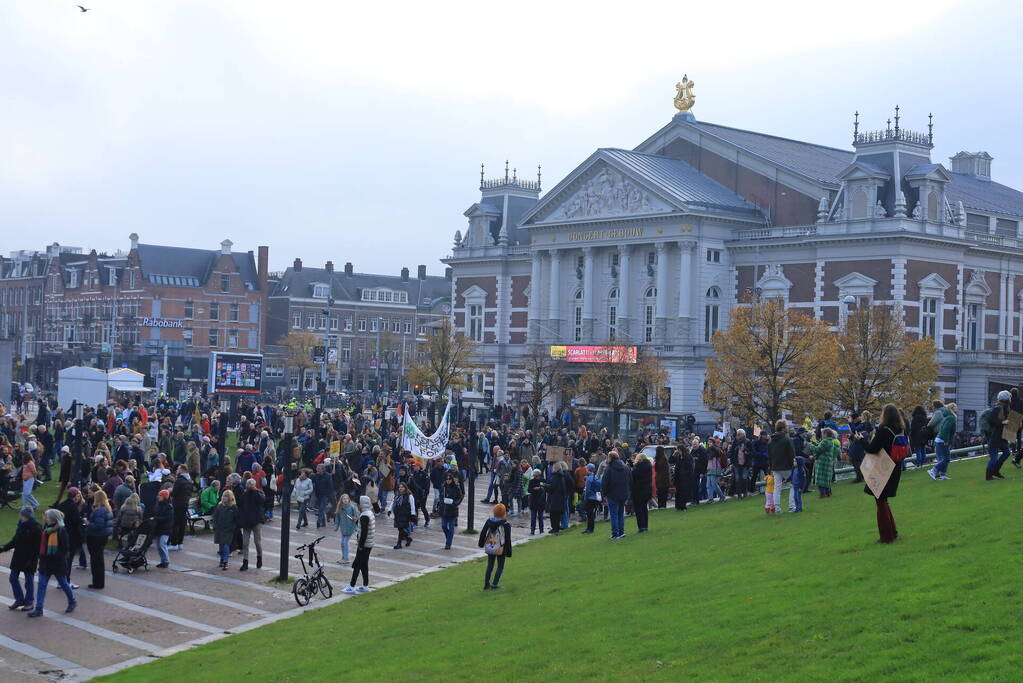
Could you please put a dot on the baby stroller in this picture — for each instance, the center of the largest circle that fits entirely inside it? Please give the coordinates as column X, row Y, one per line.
column 131, row 552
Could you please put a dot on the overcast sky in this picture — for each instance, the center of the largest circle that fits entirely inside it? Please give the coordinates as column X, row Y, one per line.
column 355, row 131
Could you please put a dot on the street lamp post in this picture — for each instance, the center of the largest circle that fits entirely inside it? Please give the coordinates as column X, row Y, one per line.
column 289, row 426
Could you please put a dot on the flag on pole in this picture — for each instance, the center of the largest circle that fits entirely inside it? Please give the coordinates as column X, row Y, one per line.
column 422, row 446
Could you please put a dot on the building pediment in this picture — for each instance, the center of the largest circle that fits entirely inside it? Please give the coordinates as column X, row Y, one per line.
column 598, row 190
column 935, row 172
column 861, row 170
column 480, row 209
column 856, row 283
column 474, row 292
column 933, row 283
column 774, row 280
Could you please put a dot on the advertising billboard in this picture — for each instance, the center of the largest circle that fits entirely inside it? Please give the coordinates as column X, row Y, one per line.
column 235, row 373
column 595, row 354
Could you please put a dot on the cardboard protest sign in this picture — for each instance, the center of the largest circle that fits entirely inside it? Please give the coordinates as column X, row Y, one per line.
column 1012, row 426
column 877, row 470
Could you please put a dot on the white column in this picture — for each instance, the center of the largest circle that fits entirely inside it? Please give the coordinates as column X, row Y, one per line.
column 685, row 278
column 588, row 312
column 624, row 290
column 555, row 300
column 534, row 297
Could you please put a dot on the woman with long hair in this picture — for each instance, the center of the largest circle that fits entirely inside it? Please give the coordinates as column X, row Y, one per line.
column 97, row 533
column 403, row 506
column 662, row 477
column 225, row 523
column 884, row 436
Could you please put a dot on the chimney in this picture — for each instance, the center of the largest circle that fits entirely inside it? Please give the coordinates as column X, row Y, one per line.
column 263, row 265
column 329, row 267
column 225, row 247
column 134, row 237
column 447, row 274
column 297, row 266
column 348, row 269
column 404, row 274
column 422, row 272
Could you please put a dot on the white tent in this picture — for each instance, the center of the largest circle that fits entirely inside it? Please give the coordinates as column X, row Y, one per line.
column 92, row 386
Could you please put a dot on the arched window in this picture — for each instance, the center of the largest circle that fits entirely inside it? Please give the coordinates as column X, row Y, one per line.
column 578, row 294
column 711, row 313
column 613, row 294
column 650, row 292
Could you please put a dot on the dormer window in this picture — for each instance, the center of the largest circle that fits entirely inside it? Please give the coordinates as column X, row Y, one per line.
column 321, row 291
column 72, row 278
column 385, row 295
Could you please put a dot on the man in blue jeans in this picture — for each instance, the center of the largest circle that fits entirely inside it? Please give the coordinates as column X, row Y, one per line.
column 323, row 487
column 998, row 447
column 944, row 421
column 614, row 487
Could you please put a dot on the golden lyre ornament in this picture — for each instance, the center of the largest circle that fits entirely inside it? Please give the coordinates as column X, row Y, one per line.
column 684, row 97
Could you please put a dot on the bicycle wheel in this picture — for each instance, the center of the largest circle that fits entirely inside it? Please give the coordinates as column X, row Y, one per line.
column 326, row 590
column 300, row 589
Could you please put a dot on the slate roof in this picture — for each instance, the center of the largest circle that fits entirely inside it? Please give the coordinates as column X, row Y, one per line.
column 299, row 284
column 921, row 170
column 984, row 195
column 186, row 267
column 816, row 161
column 677, row 179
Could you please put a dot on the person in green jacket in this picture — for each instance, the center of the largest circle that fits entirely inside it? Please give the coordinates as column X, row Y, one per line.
column 209, row 497
column 825, row 455
column 946, row 427
column 225, row 522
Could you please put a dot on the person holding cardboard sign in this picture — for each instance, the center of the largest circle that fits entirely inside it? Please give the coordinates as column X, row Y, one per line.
column 884, row 445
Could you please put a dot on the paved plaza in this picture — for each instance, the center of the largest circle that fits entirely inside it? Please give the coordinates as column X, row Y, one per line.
column 152, row 614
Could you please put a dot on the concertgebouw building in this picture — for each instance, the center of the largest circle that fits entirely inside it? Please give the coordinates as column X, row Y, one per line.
column 654, row 246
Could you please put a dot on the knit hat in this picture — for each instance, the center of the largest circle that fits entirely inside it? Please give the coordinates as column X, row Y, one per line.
column 65, row 449
column 1004, row 396
column 27, row 512
column 73, row 491
column 590, row 467
column 164, row 494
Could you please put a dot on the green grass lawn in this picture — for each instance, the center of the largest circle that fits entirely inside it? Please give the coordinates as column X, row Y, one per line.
column 719, row 592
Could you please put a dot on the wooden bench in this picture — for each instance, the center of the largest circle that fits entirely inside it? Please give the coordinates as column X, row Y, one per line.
column 195, row 518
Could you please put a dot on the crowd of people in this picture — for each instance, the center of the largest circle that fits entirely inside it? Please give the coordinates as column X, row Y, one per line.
column 147, row 469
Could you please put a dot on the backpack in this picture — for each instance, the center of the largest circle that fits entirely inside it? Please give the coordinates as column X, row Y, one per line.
column 505, row 470
column 740, row 456
column 985, row 422
column 494, row 544
column 900, row 447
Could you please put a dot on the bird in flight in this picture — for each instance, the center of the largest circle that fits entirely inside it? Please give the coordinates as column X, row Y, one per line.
column 84, row 9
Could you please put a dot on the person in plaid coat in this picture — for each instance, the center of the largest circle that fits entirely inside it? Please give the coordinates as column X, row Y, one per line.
column 825, row 455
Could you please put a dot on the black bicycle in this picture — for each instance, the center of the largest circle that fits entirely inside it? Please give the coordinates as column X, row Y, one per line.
column 306, row 586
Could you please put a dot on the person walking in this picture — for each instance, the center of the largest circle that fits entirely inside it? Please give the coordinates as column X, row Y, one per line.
column 403, row 508
column 163, row 518
column 364, row 546
column 323, row 487
column 943, row 421
column 716, row 464
column 740, row 455
column 825, row 455
column 225, row 523
column 883, row 439
column 53, row 551
column 24, row 560
column 642, row 484
column 557, row 493
column 496, row 541
column 451, row 495
column 998, row 446
column 682, row 476
column 346, row 522
column 918, row 436
column 781, row 458
column 614, row 487
column 97, row 533
column 537, row 501
column 250, row 519
column 303, row 490
column 181, row 496
column 71, row 507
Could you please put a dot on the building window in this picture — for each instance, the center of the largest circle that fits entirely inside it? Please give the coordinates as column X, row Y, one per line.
column 214, row 311
column 72, row 278
column 711, row 313
column 214, row 337
column 648, row 323
column 293, row 382
column 321, row 291
column 650, row 293
column 613, row 259
column 323, row 322
column 189, row 309
column 348, row 323
column 225, row 283
column 346, row 349
column 131, row 279
column 651, row 258
column 396, row 326
column 612, row 321
column 373, row 325
column 578, row 324
column 476, row 322
column 408, row 327
column 362, row 324
column 929, row 318
column 273, row 369
column 972, row 339
column 334, row 323
column 296, row 321
column 232, row 313
column 311, row 322
column 186, row 335
column 613, row 294
column 232, row 339
column 713, row 256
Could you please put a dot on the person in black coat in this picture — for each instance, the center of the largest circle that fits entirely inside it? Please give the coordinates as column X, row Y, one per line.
column 53, row 550
column 556, row 492
column 683, row 477
column 642, row 485
column 25, row 559
column 451, row 494
column 495, row 539
column 71, row 509
column 615, row 486
column 891, row 426
column 537, row 501
column 918, row 436
column 403, row 506
column 251, row 516
column 181, row 495
column 162, row 518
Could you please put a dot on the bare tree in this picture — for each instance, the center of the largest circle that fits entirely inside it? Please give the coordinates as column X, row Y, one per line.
column 446, row 361
column 622, row 380
column 545, row 377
